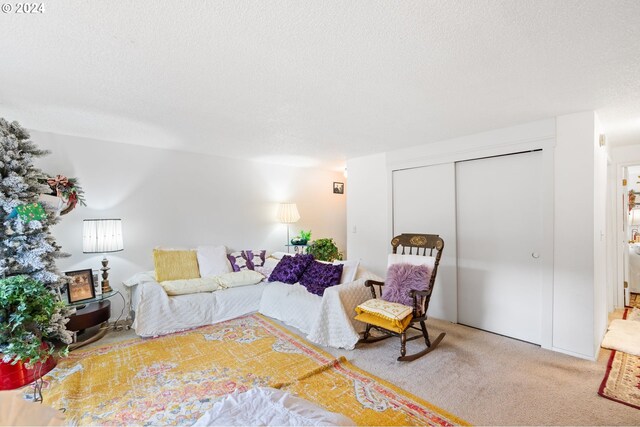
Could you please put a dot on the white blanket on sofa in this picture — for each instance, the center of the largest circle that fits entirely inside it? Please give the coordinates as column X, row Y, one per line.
column 158, row 314
column 327, row 320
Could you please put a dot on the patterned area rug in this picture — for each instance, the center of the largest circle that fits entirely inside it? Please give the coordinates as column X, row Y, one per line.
column 173, row 380
column 634, row 300
column 621, row 381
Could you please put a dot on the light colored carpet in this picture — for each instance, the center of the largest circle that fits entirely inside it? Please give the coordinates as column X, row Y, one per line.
column 488, row 379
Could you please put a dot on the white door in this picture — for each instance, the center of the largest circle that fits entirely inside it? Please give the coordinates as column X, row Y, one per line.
column 499, row 233
column 424, row 201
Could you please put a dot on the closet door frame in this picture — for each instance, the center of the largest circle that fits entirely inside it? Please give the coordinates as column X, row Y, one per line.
column 547, row 251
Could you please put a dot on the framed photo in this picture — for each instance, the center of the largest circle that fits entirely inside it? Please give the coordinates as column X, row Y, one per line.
column 80, row 287
column 96, row 282
column 338, row 188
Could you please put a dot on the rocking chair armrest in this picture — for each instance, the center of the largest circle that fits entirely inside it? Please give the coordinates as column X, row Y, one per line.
column 369, row 283
column 415, row 293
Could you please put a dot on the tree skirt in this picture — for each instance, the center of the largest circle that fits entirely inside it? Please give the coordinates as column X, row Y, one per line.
column 174, row 379
column 621, row 382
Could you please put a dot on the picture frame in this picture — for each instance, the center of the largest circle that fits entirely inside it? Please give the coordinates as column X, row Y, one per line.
column 338, row 187
column 80, row 286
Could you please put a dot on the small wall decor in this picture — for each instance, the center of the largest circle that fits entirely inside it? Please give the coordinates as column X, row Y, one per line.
column 80, row 287
column 338, row 188
column 67, row 189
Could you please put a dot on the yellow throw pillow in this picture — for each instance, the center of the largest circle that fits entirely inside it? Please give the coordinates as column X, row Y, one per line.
column 175, row 265
column 384, row 323
column 389, row 315
column 190, row 286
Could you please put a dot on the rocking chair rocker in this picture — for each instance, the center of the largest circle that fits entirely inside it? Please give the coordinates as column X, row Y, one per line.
column 424, row 245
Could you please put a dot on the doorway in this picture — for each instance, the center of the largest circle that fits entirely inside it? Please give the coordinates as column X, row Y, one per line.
column 631, row 228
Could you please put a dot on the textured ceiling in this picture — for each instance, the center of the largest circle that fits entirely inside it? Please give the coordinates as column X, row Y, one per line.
column 316, row 82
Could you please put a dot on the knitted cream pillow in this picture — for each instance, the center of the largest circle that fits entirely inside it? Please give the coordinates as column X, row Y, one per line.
column 175, row 265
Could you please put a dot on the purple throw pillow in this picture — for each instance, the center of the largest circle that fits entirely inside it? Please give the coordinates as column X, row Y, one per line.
column 238, row 261
column 402, row 279
column 255, row 258
column 290, row 268
column 319, row 276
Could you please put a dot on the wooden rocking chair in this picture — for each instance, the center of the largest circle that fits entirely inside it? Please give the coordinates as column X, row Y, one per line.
column 421, row 245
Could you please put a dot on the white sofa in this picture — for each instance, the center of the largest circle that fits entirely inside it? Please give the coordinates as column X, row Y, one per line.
column 327, row 320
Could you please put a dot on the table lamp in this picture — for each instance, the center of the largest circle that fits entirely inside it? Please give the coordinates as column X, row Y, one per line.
column 288, row 214
column 102, row 236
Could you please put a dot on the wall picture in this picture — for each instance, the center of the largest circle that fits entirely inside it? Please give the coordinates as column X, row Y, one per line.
column 338, row 188
column 80, row 287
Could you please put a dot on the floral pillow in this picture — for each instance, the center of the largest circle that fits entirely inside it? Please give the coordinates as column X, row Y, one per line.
column 290, row 268
column 319, row 276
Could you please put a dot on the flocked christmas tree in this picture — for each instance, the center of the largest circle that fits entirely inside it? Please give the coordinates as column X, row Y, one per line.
column 27, row 246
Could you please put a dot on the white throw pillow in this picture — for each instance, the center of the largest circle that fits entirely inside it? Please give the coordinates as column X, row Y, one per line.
column 269, row 264
column 349, row 270
column 190, row 286
column 212, row 261
column 429, row 261
column 239, row 278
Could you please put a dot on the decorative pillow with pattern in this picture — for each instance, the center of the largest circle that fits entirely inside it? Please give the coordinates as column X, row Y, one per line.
column 255, row 258
column 290, row 268
column 238, row 261
column 319, row 276
column 248, row 259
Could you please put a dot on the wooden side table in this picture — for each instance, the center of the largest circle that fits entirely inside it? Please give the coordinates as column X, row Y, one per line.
column 93, row 314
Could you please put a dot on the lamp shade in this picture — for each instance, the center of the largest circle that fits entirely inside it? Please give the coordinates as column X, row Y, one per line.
column 634, row 217
column 288, row 213
column 102, row 235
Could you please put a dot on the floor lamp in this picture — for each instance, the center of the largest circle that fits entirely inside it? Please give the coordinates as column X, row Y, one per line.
column 288, row 214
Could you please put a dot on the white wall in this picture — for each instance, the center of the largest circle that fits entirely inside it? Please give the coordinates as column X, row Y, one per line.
column 368, row 226
column 569, row 313
column 177, row 199
column 600, row 182
column 573, row 309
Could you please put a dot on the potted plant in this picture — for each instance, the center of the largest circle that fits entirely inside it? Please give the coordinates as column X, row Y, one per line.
column 302, row 239
column 28, row 341
column 324, row 250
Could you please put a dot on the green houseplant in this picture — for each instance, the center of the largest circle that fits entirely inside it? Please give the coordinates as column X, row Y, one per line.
column 302, row 238
column 324, row 250
column 27, row 309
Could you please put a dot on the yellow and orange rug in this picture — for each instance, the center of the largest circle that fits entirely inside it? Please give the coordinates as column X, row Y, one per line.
column 176, row 378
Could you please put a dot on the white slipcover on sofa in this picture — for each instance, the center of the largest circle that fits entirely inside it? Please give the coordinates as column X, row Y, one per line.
column 328, row 320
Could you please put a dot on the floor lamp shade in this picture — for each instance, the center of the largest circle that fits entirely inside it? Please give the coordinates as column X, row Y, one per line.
column 102, row 236
column 288, row 213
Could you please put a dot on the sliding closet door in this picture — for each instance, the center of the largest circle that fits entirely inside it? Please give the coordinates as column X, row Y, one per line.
column 424, row 201
column 499, row 232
